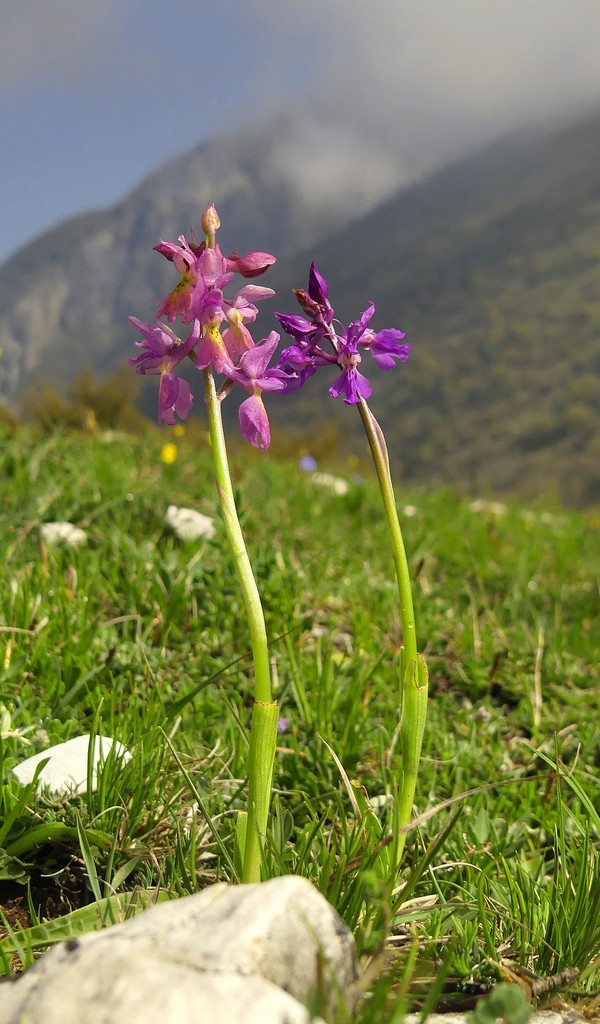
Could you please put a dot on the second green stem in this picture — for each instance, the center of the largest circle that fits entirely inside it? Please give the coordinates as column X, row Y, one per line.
column 413, row 670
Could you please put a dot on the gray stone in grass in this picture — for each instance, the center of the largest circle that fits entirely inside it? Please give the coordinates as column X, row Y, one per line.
column 331, row 483
column 64, row 534
column 566, row 1016
column 230, row 954
column 66, row 771
column 189, row 524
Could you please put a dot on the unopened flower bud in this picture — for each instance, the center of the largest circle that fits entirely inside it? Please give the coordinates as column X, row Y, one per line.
column 252, row 265
column 210, row 222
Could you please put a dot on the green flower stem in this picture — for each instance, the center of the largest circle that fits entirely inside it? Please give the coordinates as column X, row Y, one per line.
column 256, row 620
column 262, row 744
column 263, row 740
column 415, row 683
column 413, row 670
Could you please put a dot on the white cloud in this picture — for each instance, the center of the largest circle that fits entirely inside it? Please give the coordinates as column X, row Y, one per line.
column 332, row 169
column 393, row 89
column 426, row 78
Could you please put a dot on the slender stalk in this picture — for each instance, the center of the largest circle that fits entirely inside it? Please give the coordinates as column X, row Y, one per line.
column 382, row 465
column 413, row 670
column 243, row 568
column 263, row 732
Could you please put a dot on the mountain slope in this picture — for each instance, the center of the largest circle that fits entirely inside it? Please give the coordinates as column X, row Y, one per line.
column 491, row 267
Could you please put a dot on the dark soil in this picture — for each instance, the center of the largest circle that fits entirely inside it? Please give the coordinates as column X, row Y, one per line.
column 49, row 896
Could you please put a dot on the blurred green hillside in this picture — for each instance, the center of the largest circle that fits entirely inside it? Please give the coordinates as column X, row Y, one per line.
column 492, row 268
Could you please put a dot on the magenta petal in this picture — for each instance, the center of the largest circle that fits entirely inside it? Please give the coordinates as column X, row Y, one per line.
column 353, row 385
column 174, row 397
column 384, row 357
column 295, row 325
column 383, row 360
column 213, row 267
column 361, row 387
column 211, row 350
column 251, row 265
column 252, row 293
column 317, row 285
column 338, row 385
column 146, row 362
column 254, row 422
column 180, row 255
column 389, row 335
column 168, row 249
column 254, row 362
column 358, row 327
column 158, row 338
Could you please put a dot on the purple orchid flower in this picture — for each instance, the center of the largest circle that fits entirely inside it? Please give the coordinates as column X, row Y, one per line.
column 303, row 358
column 163, row 350
column 252, row 374
column 199, row 299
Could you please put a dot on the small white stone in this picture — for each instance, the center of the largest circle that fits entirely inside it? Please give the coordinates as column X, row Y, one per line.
column 189, row 524
column 551, row 519
column 483, row 505
column 380, row 800
column 437, row 1018
column 537, row 1017
column 62, row 533
column 66, row 771
column 110, row 436
column 331, row 482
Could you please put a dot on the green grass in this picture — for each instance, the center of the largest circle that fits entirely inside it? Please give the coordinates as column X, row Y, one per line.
column 142, row 637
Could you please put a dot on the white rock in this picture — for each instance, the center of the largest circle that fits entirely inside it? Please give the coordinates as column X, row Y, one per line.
column 126, row 987
column 66, row 771
column 248, row 954
column 437, row 1018
column 537, row 1017
column 62, row 533
column 331, row 482
column 483, row 505
column 189, row 524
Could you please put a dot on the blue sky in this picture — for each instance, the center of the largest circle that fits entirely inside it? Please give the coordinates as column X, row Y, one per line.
column 94, row 94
